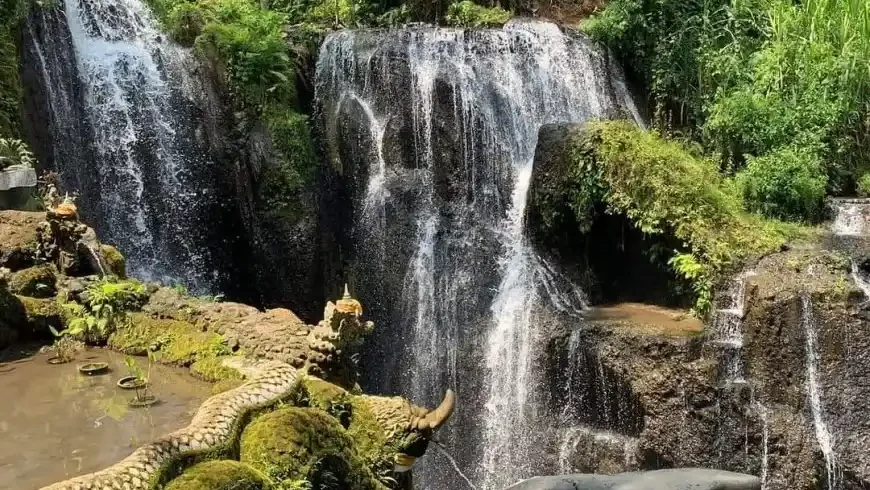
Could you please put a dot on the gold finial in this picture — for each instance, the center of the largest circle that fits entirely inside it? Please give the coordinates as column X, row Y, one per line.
column 347, row 304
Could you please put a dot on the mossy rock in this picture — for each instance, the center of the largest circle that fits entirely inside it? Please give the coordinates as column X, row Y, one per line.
column 114, row 261
column 40, row 314
column 323, row 394
column 375, row 443
column 220, row 475
column 37, row 282
column 292, row 444
column 179, row 342
column 212, row 369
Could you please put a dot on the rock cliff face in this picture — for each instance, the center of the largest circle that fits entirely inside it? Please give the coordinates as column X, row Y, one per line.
column 773, row 385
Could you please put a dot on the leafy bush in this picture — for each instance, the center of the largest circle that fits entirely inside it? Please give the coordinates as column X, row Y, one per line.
column 663, row 189
column 787, row 184
column 106, row 308
column 749, row 78
column 864, row 185
column 471, row 15
column 15, row 152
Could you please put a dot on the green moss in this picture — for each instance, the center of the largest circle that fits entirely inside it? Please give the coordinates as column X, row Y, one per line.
column 220, row 475
column 212, row 369
column 292, row 444
column 664, row 189
column 322, row 394
column 38, row 281
column 376, row 445
column 40, row 314
column 179, row 342
column 115, row 262
column 471, row 15
column 226, row 385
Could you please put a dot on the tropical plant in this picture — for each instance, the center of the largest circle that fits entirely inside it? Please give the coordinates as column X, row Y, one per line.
column 783, row 84
column 15, row 152
column 664, row 189
column 141, row 388
column 107, row 305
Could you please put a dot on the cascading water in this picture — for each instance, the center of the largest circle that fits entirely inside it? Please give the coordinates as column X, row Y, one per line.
column 437, row 129
column 850, row 216
column 124, row 138
column 727, row 328
column 823, row 434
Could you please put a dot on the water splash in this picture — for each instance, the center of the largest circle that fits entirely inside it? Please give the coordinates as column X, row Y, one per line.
column 823, row 435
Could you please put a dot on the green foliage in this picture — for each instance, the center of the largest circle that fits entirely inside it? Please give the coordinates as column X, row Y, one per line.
column 663, row 189
column 11, row 14
column 786, row 184
column 250, row 42
column 106, row 309
column 15, row 152
column 282, row 184
column 468, row 14
column 776, row 82
column 864, row 185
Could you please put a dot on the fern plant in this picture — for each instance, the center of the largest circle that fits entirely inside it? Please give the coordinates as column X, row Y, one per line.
column 15, row 152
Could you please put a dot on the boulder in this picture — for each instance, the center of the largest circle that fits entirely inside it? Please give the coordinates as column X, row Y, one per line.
column 38, row 281
column 670, row 479
column 304, row 444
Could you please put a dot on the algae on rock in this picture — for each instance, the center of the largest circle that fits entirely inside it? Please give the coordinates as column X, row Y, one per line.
column 220, row 475
column 302, row 444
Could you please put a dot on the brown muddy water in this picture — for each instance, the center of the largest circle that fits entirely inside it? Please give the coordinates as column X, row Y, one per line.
column 56, row 423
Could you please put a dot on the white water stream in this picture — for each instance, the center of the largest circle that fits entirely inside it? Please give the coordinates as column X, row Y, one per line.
column 824, row 436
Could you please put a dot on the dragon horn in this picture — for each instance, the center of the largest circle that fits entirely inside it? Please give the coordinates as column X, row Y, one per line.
column 436, row 418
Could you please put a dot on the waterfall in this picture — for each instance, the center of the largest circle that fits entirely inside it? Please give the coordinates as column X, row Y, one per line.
column 435, row 130
column 850, row 216
column 823, row 435
column 727, row 328
column 121, row 120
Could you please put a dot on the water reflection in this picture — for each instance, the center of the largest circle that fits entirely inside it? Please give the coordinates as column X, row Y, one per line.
column 56, row 423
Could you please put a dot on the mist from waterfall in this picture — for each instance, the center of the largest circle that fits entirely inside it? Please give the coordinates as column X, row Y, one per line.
column 124, row 136
column 439, row 128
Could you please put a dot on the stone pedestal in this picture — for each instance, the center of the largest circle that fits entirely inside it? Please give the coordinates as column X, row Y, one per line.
column 17, row 185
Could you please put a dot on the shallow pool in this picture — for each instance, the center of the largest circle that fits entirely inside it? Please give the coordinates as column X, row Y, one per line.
column 56, row 423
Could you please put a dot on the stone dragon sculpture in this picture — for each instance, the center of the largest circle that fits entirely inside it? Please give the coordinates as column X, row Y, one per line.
column 218, row 423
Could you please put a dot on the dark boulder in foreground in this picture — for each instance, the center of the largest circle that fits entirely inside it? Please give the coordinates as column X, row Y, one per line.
column 673, row 479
